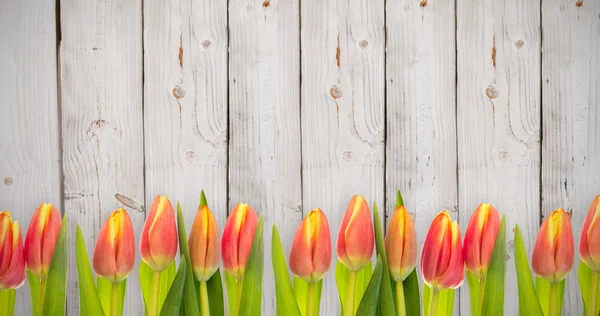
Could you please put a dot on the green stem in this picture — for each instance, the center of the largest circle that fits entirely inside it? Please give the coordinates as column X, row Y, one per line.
column 593, row 298
column 115, row 299
column 480, row 300
column 311, row 302
column 400, row 304
column 553, row 302
column 204, row 307
column 238, row 296
column 42, row 296
column 349, row 311
column 154, row 301
column 435, row 295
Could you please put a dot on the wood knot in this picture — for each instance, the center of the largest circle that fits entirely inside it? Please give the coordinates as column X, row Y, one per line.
column 363, row 44
column 8, row 181
column 348, row 156
column 504, row 156
column 178, row 92
column 335, row 92
column 491, row 92
column 519, row 44
column 206, row 44
column 266, row 3
column 191, row 157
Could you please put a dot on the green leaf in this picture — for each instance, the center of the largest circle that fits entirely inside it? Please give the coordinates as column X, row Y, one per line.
column 34, row 291
column 231, row 289
column 166, row 278
column 370, row 300
column 473, row 285
column 529, row 304
column 203, row 199
column 7, row 302
column 412, row 298
column 284, row 294
column 542, row 289
column 493, row 295
column 56, row 286
column 104, row 288
column 399, row 200
column 386, row 298
column 190, row 296
column 172, row 303
column 362, row 279
column 445, row 303
column 301, row 295
column 251, row 300
column 214, row 287
column 88, row 296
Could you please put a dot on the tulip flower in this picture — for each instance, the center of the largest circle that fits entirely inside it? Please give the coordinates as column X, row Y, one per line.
column 41, row 239
column 589, row 241
column 204, row 245
column 114, row 255
column 158, row 244
column 238, row 236
column 553, row 252
column 12, row 261
column 310, row 256
column 355, row 236
column 401, row 245
column 480, row 239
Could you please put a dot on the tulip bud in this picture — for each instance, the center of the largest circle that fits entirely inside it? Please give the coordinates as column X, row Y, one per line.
column 401, row 245
column 589, row 241
column 553, row 252
column 480, row 239
column 205, row 253
column 158, row 244
column 310, row 256
column 355, row 236
column 12, row 261
column 114, row 255
column 41, row 239
column 238, row 236
column 442, row 264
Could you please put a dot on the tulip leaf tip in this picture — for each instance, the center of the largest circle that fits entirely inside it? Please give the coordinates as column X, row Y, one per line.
column 203, row 201
column 399, row 200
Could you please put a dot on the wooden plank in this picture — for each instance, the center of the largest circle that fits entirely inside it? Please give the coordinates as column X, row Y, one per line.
column 343, row 116
column 498, row 118
column 185, row 104
column 264, row 120
column 29, row 146
column 571, row 116
column 421, row 110
column 102, row 131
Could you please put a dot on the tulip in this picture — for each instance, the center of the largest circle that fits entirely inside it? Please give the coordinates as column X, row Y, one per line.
column 41, row 239
column 310, row 256
column 238, row 236
column 480, row 239
column 158, row 244
column 12, row 261
column 204, row 245
column 589, row 241
column 401, row 245
column 355, row 236
column 553, row 252
column 114, row 255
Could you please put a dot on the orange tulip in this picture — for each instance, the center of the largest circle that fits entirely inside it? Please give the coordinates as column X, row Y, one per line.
column 589, row 241
column 114, row 255
column 310, row 256
column 41, row 239
column 238, row 236
column 158, row 244
column 480, row 239
column 12, row 261
column 553, row 252
column 355, row 236
column 442, row 264
column 205, row 253
column 401, row 245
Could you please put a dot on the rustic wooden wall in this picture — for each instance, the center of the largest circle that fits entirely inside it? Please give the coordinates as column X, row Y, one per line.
column 291, row 105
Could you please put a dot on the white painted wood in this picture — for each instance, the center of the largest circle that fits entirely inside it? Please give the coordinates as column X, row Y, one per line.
column 102, row 131
column 29, row 131
column 570, row 117
column 421, row 110
column 264, row 119
column 498, row 119
column 343, row 116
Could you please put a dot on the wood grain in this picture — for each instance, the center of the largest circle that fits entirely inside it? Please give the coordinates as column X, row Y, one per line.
column 102, row 131
column 498, row 119
column 571, row 117
column 30, row 171
column 264, row 120
column 343, row 116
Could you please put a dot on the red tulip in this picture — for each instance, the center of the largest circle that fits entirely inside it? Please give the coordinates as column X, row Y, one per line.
column 589, row 241
column 553, row 252
column 480, row 239
column 12, row 261
column 41, row 239
column 238, row 236
column 310, row 256
column 355, row 236
column 442, row 264
column 114, row 255
column 204, row 244
column 158, row 244
column 401, row 245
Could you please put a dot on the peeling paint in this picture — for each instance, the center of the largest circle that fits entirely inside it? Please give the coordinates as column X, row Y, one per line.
column 181, row 50
column 423, row 3
column 494, row 50
column 579, row 3
column 266, row 3
column 337, row 50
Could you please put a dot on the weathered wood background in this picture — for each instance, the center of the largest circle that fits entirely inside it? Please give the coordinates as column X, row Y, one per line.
column 291, row 105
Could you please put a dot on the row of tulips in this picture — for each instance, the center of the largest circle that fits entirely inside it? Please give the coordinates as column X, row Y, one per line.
column 391, row 288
